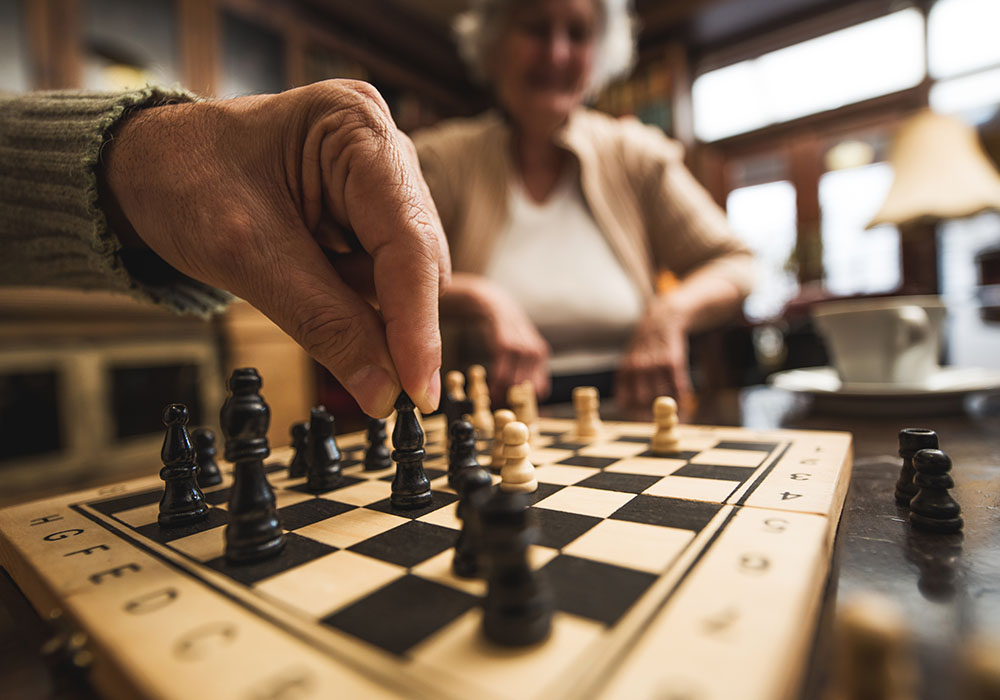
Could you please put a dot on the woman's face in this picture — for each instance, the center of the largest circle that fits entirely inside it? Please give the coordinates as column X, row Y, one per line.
column 543, row 58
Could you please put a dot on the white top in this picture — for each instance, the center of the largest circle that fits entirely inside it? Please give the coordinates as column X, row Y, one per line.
column 554, row 261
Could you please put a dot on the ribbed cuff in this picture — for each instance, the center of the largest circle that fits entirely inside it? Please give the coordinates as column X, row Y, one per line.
column 52, row 228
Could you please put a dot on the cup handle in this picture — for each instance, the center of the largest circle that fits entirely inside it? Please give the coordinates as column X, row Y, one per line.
column 913, row 328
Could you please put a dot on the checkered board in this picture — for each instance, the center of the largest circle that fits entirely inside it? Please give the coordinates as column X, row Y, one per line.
column 695, row 575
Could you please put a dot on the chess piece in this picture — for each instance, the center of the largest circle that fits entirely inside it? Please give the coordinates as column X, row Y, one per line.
column 254, row 531
column 911, row 440
column 933, row 509
column 183, row 502
column 665, row 439
column 204, row 455
column 461, row 450
column 524, row 403
column 500, row 420
column 479, row 393
column 517, row 474
column 377, row 453
column 517, row 609
column 586, row 405
column 300, row 443
column 454, row 403
column 323, row 456
column 474, row 489
column 410, row 487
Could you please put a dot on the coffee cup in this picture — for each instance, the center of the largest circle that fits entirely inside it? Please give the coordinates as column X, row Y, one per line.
column 885, row 340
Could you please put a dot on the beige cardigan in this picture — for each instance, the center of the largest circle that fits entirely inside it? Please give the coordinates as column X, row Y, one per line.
column 653, row 212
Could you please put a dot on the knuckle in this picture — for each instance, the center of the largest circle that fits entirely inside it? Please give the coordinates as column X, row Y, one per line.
column 330, row 336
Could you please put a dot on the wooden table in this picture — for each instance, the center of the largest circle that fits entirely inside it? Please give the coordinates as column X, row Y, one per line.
column 948, row 586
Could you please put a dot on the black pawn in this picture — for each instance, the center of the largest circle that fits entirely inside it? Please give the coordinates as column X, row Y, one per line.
column 517, row 610
column 461, row 450
column 323, row 464
column 254, row 531
column 300, row 443
column 377, row 454
column 933, row 509
column 182, row 502
column 209, row 473
column 911, row 440
column 454, row 409
column 410, row 487
column 474, row 489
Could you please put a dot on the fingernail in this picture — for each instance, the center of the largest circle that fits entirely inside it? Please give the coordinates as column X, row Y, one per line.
column 428, row 403
column 375, row 390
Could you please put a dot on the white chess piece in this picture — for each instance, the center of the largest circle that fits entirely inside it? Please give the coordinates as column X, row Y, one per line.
column 517, row 474
column 665, row 439
column 479, row 392
column 523, row 401
column 586, row 403
column 500, row 420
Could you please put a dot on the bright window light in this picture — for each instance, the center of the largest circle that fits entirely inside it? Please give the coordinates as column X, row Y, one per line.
column 850, row 65
column 962, row 36
column 976, row 96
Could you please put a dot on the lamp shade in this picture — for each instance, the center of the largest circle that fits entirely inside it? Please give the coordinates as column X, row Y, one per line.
column 941, row 172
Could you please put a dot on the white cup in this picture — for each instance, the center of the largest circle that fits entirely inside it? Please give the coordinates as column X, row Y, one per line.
column 888, row 340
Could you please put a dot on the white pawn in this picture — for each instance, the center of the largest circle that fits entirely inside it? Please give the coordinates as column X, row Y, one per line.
column 479, row 392
column 524, row 403
column 665, row 439
column 586, row 403
column 500, row 420
column 517, row 474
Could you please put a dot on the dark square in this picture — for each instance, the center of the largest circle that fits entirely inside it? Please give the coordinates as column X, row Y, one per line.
column 544, row 491
column 596, row 462
column 430, row 472
column 117, row 505
column 345, row 481
column 439, row 499
column 409, row 544
column 272, row 467
column 216, row 517
column 558, row 528
column 633, row 438
column 216, row 497
column 567, row 445
column 345, row 463
column 591, row 589
column 684, row 454
column 352, row 449
column 625, row 483
column 402, row 614
column 308, row 512
column 298, row 550
column 668, row 512
column 714, row 471
column 433, row 455
column 746, row 445
column 552, row 433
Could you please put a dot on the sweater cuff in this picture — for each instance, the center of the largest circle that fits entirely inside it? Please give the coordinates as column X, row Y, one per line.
column 51, row 224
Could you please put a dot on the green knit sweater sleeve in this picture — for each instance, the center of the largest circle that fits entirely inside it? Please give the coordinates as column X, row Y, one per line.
column 52, row 229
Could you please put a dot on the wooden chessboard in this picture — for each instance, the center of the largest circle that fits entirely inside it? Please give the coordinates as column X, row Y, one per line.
column 697, row 575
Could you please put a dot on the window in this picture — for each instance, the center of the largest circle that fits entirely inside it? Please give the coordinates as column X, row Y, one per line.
column 962, row 36
column 13, row 60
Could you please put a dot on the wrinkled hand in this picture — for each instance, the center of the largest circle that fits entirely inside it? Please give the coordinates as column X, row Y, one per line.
column 240, row 194
column 657, row 361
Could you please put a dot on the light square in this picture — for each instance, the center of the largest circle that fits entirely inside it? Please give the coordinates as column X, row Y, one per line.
column 438, row 568
column 730, row 458
column 290, row 498
column 351, row 527
column 548, row 455
column 647, row 466
column 441, row 484
column 693, row 489
column 613, row 449
column 330, row 582
column 203, row 546
column 445, row 517
column 143, row 515
column 363, row 494
column 634, row 545
column 578, row 499
column 564, row 474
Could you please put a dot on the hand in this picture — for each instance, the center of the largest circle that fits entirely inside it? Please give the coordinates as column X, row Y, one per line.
column 657, row 361
column 241, row 193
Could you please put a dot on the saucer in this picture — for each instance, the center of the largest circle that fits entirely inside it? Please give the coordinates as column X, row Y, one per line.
column 942, row 392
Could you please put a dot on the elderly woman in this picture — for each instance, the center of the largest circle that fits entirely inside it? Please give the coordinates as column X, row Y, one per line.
column 561, row 218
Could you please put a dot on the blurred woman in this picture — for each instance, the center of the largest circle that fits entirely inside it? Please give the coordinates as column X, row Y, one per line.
column 560, row 218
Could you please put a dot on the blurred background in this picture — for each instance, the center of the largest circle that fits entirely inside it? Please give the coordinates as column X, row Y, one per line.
column 787, row 108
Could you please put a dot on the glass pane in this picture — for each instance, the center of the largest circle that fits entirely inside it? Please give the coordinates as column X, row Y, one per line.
column 976, row 97
column 29, row 414
column 962, row 36
column 765, row 217
column 129, row 44
column 13, row 64
column 856, row 261
column 252, row 59
column 139, row 395
column 853, row 64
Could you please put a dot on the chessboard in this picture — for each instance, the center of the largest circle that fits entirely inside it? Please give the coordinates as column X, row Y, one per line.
column 697, row 575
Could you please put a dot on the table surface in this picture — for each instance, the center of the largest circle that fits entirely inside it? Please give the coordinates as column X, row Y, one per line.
column 948, row 586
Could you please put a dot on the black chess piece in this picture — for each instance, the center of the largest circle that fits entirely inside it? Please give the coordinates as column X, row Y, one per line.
column 461, row 450
column 183, row 502
column 209, row 473
column 933, row 509
column 517, row 610
column 410, row 487
column 300, row 443
column 910, row 441
column 323, row 463
column 254, row 531
column 377, row 454
column 474, row 487
column 454, row 409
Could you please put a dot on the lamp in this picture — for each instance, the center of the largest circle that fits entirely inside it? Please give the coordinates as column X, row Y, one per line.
column 941, row 172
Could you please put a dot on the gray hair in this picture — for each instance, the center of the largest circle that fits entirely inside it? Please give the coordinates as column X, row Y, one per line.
column 477, row 29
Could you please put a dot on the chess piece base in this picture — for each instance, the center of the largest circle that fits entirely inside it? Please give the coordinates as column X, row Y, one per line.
column 935, row 525
column 518, row 628
column 410, row 501
column 182, row 518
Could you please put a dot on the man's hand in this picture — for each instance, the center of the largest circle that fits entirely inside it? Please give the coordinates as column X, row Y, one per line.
column 241, row 193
